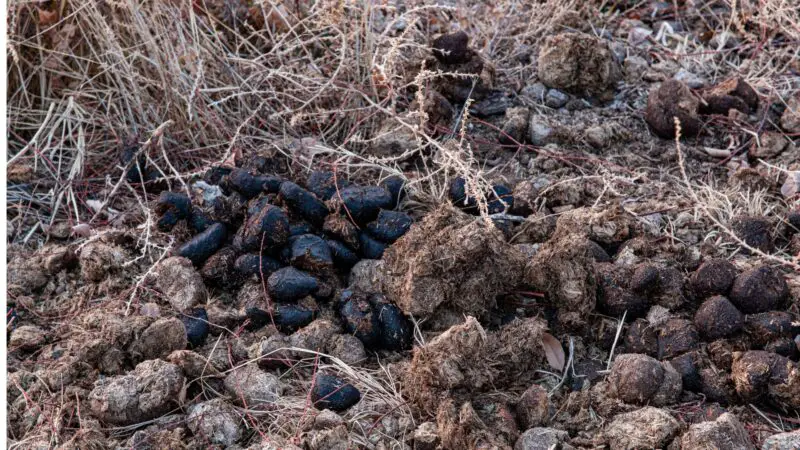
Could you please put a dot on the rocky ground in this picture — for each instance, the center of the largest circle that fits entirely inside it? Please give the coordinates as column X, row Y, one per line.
column 591, row 240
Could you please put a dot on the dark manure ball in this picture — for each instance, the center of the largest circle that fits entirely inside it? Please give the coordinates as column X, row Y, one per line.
column 199, row 221
column 754, row 231
column 296, row 229
column 452, row 48
column 343, row 256
column 713, row 277
column 251, row 264
column 363, row 203
column 614, row 295
column 769, row 326
column 370, row 247
column 197, row 328
column 686, row 366
column 289, row 284
column 645, row 279
column 216, row 175
column 310, row 252
column 395, row 186
column 396, row 332
column 172, row 207
column 675, row 337
column 331, row 392
column 717, row 318
column 673, row 99
column 205, row 244
column 461, row 198
column 501, row 199
column 324, row 184
column 390, row 225
column 288, row 318
column 304, row 202
column 642, row 338
column 267, row 228
column 378, row 323
column 359, row 317
column 219, row 267
column 251, row 185
column 758, row 290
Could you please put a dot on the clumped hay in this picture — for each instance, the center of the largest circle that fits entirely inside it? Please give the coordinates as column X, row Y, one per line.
column 451, row 260
column 563, row 267
column 453, row 360
column 466, row 360
column 463, row 428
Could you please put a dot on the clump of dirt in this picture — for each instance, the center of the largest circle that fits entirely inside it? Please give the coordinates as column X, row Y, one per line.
column 578, row 63
column 724, row 432
column 466, row 359
column 425, row 271
column 671, row 100
column 641, row 379
column 98, row 259
column 644, row 428
column 180, row 283
column 149, row 391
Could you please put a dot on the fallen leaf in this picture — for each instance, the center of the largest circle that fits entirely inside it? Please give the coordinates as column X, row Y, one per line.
column 82, row 230
column 47, row 18
column 792, row 184
column 553, row 351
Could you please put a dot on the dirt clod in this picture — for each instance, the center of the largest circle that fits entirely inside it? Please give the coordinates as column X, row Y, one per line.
column 641, row 429
column 452, row 48
column 635, row 378
column 724, row 432
column 27, row 338
column 673, row 99
column 251, row 387
column 515, row 129
column 540, row 438
column 179, row 282
column 145, row 393
column 215, row 421
column 790, row 120
column 98, row 259
column 349, row 349
column 160, row 339
column 782, row 441
column 578, row 63
column 533, row 407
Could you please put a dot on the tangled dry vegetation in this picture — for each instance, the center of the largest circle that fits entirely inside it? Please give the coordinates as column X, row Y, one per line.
column 592, row 185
